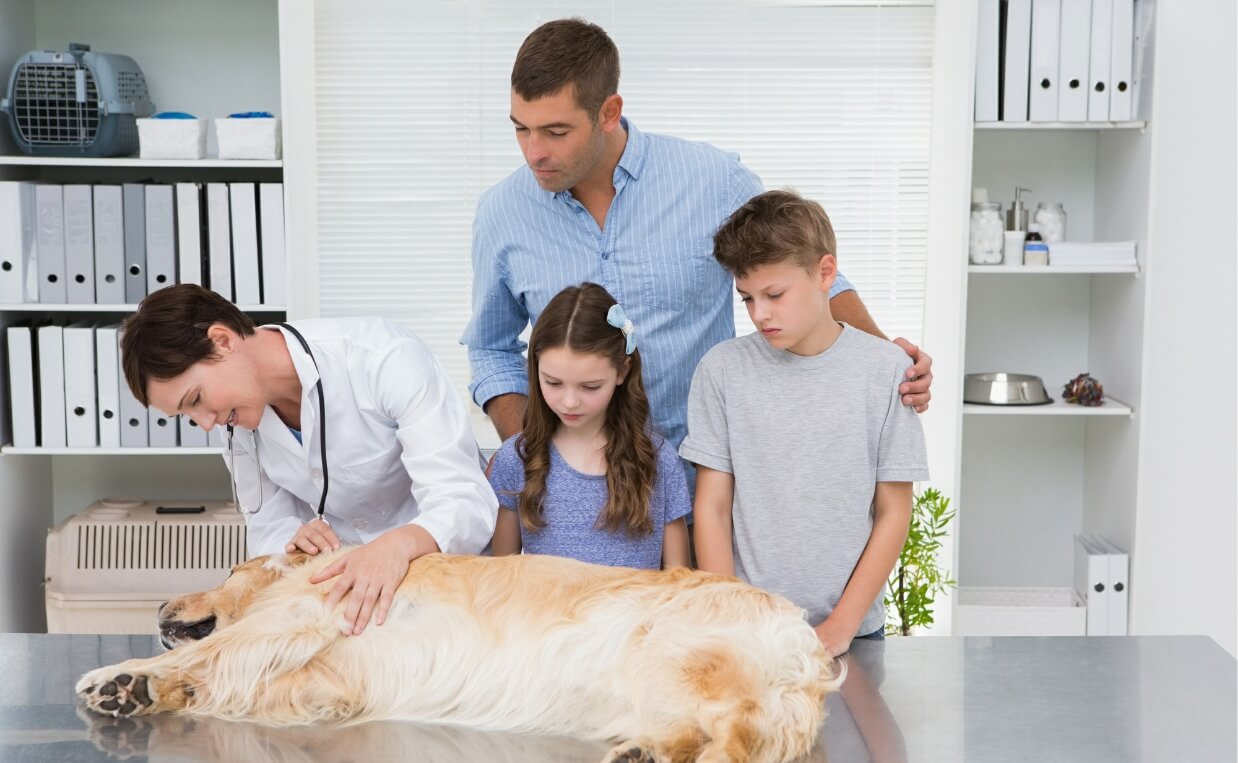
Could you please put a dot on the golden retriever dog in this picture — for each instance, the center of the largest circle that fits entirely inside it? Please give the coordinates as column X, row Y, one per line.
column 673, row 665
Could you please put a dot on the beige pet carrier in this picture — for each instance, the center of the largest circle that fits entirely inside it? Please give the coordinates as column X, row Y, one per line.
column 111, row 566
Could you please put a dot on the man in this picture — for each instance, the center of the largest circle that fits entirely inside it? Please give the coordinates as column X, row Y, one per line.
column 601, row 201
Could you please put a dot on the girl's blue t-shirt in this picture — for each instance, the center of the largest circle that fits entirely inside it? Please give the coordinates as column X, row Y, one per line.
column 573, row 501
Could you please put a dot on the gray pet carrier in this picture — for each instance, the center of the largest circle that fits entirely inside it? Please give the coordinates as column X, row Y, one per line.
column 76, row 103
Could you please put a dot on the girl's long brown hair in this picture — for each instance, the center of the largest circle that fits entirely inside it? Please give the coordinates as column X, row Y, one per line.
column 576, row 319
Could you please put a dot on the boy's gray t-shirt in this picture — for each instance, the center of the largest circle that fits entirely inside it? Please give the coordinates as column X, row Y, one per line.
column 807, row 439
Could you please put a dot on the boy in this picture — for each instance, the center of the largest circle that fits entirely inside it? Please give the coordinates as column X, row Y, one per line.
column 805, row 454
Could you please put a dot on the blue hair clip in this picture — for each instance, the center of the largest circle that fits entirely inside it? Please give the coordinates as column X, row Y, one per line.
column 617, row 318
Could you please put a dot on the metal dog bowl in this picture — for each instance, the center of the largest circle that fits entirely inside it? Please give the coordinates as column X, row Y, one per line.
column 1004, row 389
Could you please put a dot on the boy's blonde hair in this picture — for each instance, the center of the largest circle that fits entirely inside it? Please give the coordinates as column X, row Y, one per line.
column 774, row 227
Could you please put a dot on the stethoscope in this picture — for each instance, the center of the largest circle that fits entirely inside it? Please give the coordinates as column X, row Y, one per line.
column 322, row 442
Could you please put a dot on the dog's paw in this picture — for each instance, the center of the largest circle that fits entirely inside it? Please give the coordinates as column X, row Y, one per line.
column 633, row 752
column 119, row 695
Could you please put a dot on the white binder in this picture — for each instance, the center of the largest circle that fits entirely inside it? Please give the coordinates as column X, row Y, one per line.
column 81, row 412
column 1072, row 102
column 79, row 244
column 107, row 365
column 160, row 238
column 219, row 239
column 162, row 429
column 132, row 413
column 51, row 387
column 189, row 232
column 1118, row 587
column 109, row 245
column 1098, row 60
column 49, row 210
column 1044, row 85
column 246, row 270
column 1092, row 584
column 988, row 44
column 271, row 227
column 192, row 435
column 19, row 274
column 135, row 242
column 1121, row 61
column 1017, row 59
column 22, row 385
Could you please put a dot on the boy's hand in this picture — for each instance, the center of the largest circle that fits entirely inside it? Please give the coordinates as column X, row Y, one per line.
column 916, row 392
column 835, row 636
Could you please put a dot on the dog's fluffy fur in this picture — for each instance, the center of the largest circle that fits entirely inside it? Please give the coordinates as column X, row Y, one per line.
column 675, row 665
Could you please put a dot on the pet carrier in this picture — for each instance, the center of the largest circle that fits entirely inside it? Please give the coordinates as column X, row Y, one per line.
column 76, row 103
column 111, row 566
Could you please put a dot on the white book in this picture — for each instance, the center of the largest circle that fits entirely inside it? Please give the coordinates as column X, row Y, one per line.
column 274, row 261
column 1121, row 61
column 51, row 387
column 163, row 429
column 219, row 239
column 1017, row 60
column 1119, row 587
column 133, row 415
column 107, row 373
column 988, row 45
column 1092, row 584
column 246, row 269
column 1044, row 86
column 192, row 435
column 135, row 242
column 80, row 385
column 22, row 386
column 49, row 208
column 160, row 237
column 79, row 244
column 189, row 232
column 1099, row 59
column 109, row 245
column 19, row 273
column 1072, row 102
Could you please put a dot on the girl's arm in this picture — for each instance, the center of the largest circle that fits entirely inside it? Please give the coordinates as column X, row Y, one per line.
column 712, row 520
column 675, row 545
column 891, row 518
column 506, row 534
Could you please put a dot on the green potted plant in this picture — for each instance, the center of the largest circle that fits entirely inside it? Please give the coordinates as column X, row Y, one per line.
column 917, row 579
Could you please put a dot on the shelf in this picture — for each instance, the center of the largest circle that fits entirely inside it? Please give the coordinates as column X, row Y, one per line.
column 1110, row 407
column 40, row 307
column 1044, row 270
column 133, row 161
column 1061, row 125
column 9, row 450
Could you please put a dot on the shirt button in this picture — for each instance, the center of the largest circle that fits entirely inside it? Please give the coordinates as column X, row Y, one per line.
column 316, row 474
column 361, row 524
column 606, row 255
column 384, row 512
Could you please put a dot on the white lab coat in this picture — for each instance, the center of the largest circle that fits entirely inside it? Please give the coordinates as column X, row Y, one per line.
column 400, row 448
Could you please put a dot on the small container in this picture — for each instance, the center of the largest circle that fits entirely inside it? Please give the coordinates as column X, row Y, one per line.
column 1012, row 247
column 984, row 246
column 164, row 138
column 248, row 138
column 1035, row 250
column 1052, row 221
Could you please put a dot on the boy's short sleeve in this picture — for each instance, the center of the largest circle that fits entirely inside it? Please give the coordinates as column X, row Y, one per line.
column 708, row 443
column 672, row 486
column 901, row 452
column 507, row 475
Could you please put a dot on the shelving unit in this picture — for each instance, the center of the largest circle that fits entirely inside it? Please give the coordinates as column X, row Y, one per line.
column 206, row 59
column 1032, row 477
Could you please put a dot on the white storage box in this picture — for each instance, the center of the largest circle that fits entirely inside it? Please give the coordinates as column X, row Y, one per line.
column 248, row 138
column 1019, row 612
column 111, row 566
column 171, row 138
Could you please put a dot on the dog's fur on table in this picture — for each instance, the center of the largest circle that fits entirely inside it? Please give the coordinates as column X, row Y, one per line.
column 673, row 665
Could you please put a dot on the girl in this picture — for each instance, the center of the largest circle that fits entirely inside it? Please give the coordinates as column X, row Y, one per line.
column 587, row 478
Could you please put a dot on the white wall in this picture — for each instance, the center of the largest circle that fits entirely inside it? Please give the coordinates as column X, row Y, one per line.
column 1188, row 457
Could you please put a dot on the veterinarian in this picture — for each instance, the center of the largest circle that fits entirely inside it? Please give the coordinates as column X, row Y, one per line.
column 340, row 432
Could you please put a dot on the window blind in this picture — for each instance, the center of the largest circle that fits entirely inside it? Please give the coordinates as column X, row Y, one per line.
column 413, row 100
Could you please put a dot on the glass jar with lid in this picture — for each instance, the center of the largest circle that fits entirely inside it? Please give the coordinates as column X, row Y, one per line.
column 1052, row 221
column 984, row 245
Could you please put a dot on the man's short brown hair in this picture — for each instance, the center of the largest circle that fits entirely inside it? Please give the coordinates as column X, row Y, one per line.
column 568, row 52
column 168, row 334
column 774, row 227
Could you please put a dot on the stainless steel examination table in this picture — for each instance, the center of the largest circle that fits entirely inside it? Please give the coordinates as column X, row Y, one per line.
column 918, row 699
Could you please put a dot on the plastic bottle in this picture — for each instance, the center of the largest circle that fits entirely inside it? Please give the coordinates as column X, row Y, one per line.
column 1035, row 250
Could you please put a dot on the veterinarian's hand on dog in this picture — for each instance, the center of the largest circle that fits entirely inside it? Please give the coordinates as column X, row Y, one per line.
column 835, row 636
column 370, row 575
column 313, row 537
